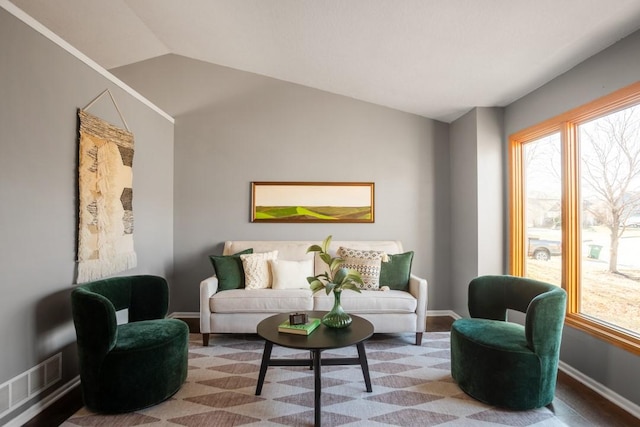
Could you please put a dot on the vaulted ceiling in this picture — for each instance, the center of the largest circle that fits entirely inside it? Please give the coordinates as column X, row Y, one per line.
column 434, row 58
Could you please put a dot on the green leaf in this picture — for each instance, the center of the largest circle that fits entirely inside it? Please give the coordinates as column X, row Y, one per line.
column 316, row 285
column 354, row 275
column 325, row 257
column 325, row 244
column 341, row 275
column 314, row 248
column 335, row 263
column 351, row 286
column 329, row 287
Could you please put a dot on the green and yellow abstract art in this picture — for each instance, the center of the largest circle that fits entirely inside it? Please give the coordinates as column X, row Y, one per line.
column 312, row 202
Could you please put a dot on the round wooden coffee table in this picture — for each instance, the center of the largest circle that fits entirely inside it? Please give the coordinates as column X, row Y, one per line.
column 322, row 338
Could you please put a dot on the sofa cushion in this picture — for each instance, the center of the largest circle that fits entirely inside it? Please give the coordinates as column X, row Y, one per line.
column 257, row 274
column 290, row 274
column 395, row 272
column 262, row 301
column 365, row 262
column 295, row 250
column 371, row 302
column 229, row 270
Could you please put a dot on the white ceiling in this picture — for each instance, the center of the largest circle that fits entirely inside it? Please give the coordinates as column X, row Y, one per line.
column 434, row 58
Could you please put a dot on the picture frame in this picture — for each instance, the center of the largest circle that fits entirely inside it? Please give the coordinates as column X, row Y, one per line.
column 305, row 202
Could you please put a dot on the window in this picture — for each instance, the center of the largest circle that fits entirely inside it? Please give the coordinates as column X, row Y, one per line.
column 542, row 192
column 575, row 212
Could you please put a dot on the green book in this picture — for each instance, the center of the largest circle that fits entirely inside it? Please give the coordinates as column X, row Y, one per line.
column 304, row 329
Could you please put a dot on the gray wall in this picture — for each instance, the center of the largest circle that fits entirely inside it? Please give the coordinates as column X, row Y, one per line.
column 41, row 87
column 464, row 209
column 477, row 200
column 612, row 69
column 251, row 128
column 491, row 194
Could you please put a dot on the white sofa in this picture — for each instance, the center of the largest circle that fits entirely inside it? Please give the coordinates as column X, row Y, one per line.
column 240, row 310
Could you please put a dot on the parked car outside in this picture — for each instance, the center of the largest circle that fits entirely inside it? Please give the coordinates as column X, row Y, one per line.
column 542, row 249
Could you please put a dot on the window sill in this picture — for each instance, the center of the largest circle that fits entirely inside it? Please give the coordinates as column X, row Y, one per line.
column 605, row 332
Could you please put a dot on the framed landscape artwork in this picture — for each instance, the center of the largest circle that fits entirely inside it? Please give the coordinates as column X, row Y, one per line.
column 312, row 202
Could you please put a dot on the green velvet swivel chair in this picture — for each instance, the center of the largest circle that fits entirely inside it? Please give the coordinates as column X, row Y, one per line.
column 503, row 363
column 132, row 365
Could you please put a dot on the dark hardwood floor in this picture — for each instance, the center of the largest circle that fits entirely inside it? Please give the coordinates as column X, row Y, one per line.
column 575, row 404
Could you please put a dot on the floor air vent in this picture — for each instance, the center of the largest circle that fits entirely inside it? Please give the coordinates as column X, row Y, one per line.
column 23, row 387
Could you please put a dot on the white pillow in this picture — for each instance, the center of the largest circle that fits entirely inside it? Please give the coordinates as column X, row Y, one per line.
column 291, row 274
column 257, row 273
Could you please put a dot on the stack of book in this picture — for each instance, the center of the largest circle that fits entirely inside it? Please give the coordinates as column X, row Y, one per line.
column 302, row 329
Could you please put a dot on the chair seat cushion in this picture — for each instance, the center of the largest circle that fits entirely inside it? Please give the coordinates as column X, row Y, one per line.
column 261, row 301
column 148, row 334
column 503, row 336
column 369, row 302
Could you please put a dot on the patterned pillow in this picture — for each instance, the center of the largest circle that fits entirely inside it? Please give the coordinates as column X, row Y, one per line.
column 367, row 263
column 257, row 274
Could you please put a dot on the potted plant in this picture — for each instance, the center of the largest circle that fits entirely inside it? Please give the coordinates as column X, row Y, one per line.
column 334, row 280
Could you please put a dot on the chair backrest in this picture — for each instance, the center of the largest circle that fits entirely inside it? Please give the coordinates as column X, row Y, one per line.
column 94, row 305
column 544, row 304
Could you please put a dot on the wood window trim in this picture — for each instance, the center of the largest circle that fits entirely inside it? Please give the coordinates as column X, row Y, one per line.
column 567, row 124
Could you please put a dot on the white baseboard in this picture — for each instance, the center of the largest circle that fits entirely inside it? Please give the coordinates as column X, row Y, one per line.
column 43, row 404
column 603, row 391
column 184, row 315
column 437, row 313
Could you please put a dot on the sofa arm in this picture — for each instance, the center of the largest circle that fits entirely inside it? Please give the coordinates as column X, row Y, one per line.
column 418, row 288
column 208, row 287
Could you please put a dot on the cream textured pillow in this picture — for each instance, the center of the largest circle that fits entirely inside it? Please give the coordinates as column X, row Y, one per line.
column 367, row 263
column 257, row 274
column 291, row 274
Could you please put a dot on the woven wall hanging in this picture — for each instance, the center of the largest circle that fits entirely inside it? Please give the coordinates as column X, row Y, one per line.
column 105, row 181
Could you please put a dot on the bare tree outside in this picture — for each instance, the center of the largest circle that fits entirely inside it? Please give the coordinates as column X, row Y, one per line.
column 543, row 192
column 610, row 152
column 543, row 178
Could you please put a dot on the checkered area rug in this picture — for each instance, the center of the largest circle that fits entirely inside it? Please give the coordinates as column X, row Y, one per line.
column 412, row 386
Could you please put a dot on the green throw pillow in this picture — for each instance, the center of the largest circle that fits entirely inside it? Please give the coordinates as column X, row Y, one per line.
column 395, row 272
column 229, row 270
